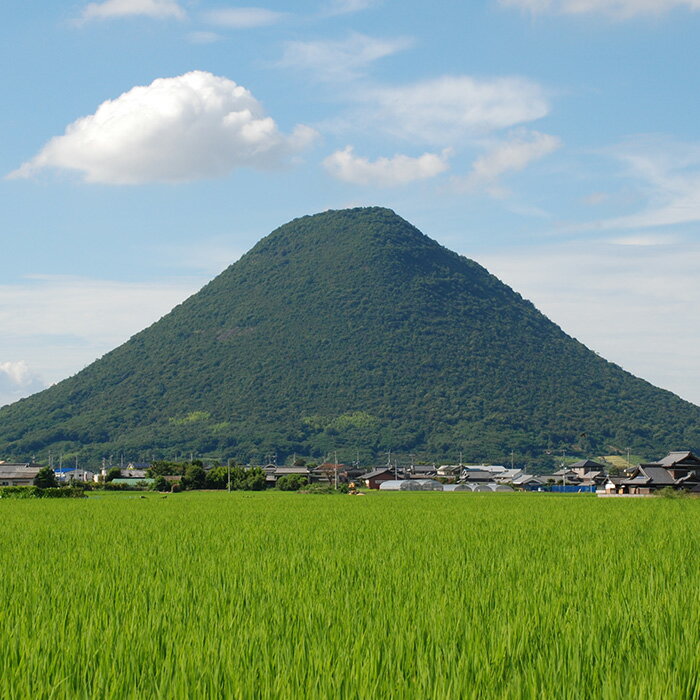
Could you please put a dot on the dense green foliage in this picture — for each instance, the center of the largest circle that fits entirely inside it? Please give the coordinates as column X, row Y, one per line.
column 351, row 331
column 41, row 492
column 46, row 478
column 274, row 595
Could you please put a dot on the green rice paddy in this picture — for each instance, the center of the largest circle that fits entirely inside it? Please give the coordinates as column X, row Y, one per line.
column 390, row 595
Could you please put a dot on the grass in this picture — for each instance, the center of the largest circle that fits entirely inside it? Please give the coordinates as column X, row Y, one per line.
column 410, row 595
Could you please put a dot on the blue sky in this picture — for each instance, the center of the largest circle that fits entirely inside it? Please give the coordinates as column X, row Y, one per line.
column 148, row 143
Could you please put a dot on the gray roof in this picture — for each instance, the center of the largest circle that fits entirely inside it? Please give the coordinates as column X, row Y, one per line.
column 673, row 458
column 526, row 479
column 586, row 464
column 26, row 470
column 477, row 476
column 282, row 471
column 651, row 476
column 658, row 475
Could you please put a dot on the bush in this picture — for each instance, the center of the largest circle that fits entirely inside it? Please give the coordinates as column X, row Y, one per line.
column 36, row 492
column 161, row 484
column 291, row 482
column 113, row 473
column 45, row 478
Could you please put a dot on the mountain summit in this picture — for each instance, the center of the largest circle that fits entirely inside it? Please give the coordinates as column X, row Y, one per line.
column 351, row 331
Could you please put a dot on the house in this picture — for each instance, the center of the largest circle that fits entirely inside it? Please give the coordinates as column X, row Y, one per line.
column 528, row 482
column 18, row 474
column 507, row 476
column 65, row 475
column 374, row 479
column 589, row 472
column 647, row 478
column 681, row 465
column 449, row 470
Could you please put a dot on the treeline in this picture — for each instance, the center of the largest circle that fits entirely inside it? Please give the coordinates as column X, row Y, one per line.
column 194, row 476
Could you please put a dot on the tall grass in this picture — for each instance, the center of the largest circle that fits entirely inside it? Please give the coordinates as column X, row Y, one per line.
column 391, row 595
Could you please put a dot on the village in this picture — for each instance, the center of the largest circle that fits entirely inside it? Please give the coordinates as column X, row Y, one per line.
column 677, row 471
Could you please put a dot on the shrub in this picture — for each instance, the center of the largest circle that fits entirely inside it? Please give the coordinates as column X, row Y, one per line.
column 45, row 478
column 291, row 482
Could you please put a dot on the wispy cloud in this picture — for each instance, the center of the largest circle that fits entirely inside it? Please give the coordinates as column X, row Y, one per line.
column 243, row 17
column 111, row 9
column 621, row 9
column 344, row 7
column 449, row 109
column 346, row 59
column 508, row 156
column 635, row 305
column 194, row 126
column 384, row 172
column 668, row 175
column 201, row 37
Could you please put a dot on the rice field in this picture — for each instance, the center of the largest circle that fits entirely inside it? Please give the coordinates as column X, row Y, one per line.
column 391, row 595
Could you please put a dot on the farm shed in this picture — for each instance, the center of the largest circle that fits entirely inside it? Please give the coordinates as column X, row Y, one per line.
column 18, row 474
column 373, row 479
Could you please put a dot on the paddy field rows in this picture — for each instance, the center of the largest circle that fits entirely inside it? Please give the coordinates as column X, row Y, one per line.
column 401, row 595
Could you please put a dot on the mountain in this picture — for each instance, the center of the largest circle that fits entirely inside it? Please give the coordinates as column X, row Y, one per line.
column 351, row 330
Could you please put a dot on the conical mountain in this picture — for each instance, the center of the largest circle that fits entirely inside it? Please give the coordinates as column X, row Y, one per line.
column 351, row 330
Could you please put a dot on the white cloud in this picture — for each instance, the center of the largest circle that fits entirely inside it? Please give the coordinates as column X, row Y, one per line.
column 60, row 324
column 669, row 175
column 635, row 305
column 448, row 109
column 194, row 126
column 622, row 9
column 129, row 8
column 644, row 240
column 203, row 37
column 340, row 60
column 506, row 157
column 344, row 7
column 18, row 380
column 384, row 172
column 243, row 17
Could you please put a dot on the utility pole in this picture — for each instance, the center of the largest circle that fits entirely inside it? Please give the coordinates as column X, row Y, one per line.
column 229, row 475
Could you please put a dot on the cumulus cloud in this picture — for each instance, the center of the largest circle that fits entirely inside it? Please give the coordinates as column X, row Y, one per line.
column 340, row 60
column 448, row 109
column 621, row 301
column 196, row 125
column 17, row 380
column 243, row 17
column 129, row 8
column 384, row 172
column 616, row 8
column 508, row 156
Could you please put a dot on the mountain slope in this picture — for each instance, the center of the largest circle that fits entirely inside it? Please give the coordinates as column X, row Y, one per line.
column 351, row 330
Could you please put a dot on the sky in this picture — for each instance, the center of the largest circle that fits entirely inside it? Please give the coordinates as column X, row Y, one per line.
column 147, row 144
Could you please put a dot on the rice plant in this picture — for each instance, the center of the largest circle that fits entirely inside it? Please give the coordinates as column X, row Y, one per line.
column 410, row 595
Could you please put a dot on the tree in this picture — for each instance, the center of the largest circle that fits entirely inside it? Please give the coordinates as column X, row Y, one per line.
column 291, row 482
column 113, row 473
column 45, row 478
column 195, row 477
column 161, row 484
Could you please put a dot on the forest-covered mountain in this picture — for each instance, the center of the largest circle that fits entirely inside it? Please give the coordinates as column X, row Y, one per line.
column 351, row 331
